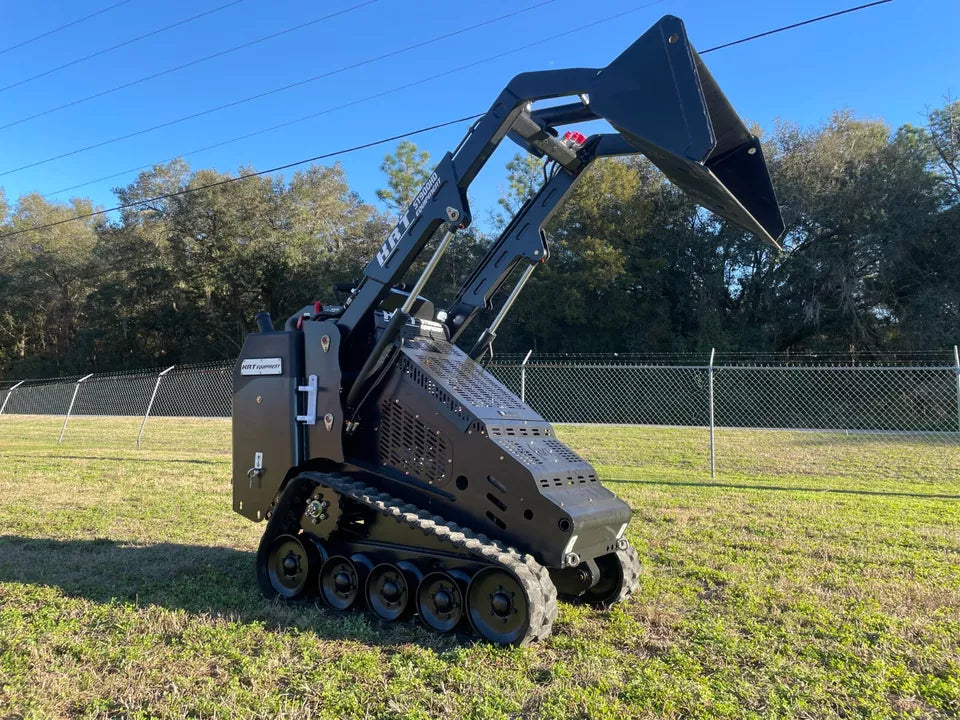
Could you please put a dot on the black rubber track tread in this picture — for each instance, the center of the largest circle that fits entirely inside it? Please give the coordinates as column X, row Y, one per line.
column 535, row 579
column 630, row 562
column 284, row 520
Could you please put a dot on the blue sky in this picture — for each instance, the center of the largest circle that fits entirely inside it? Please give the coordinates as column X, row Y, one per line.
column 887, row 62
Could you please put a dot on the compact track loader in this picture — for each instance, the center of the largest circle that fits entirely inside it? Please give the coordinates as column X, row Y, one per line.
column 393, row 471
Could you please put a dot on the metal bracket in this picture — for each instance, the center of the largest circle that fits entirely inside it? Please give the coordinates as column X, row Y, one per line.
column 311, row 390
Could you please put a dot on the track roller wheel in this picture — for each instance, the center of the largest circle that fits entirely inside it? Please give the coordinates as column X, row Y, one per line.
column 288, row 567
column 339, row 582
column 388, row 592
column 440, row 602
column 498, row 607
column 317, row 549
column 364, row 565
column 619, row 576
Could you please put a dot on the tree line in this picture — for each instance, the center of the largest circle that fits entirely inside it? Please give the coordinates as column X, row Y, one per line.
column 871, row 259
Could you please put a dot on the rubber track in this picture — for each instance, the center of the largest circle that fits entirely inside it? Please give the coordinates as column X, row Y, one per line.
column 284, row 519
column 630, row 562
column 535, row 579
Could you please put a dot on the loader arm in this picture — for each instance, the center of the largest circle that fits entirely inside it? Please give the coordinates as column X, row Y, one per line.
column 663, row 103
column 523, row 241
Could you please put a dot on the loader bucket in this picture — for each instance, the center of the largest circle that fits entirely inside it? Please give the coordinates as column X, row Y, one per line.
column 690, row 131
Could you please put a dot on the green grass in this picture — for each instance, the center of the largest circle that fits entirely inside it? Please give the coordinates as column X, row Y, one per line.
column 815, row 577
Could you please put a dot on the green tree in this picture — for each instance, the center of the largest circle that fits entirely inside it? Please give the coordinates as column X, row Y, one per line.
column 524, row 178
column 870, row 252
column 45, row 276
column 406, row 171
column 944, row 132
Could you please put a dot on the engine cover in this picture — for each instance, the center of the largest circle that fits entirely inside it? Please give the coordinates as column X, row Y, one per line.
column 459, row 441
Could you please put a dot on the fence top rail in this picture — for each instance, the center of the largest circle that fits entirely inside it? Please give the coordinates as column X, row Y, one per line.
column 203, row 367
column 732, row 357
column 653, row 366
column 595, row 366
column 845, row 368
column 566, row 362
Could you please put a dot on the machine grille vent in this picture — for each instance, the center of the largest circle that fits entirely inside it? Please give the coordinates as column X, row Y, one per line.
column 524, row 452
column 411, row 446
column 542, row 451
column 521, row 431
column 567, row 480
column 561, row 451
column 471, row 382
column 429, row 384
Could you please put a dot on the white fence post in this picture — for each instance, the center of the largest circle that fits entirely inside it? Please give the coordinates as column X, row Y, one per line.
column 153, row 397
column 523, row 376
column 713, row 463
column 10, row 392
column 66, row 418
column 956, row 367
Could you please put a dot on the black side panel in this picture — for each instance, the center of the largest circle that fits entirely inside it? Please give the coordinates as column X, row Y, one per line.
column 321, row 350
column 264, row 418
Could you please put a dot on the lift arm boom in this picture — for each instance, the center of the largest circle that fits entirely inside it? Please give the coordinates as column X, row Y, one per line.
column 662, row 101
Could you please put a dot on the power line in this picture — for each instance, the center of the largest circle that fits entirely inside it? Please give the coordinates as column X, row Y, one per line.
column 247, row 176
column 368, row 98
column 48, row 33
column 796, row 25
column 266, row 93
column 355, row 148
column 123, row 44
column 144, row 79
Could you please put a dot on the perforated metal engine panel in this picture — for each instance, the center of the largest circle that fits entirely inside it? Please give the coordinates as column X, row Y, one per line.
column 475, row 453
column 551, row 462
column 446, row 372
column 411, row 446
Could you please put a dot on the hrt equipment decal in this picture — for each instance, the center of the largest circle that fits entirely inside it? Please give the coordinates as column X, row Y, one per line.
column 416, row 209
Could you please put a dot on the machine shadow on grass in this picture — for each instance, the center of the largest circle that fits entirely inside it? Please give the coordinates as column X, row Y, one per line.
column 201, row 580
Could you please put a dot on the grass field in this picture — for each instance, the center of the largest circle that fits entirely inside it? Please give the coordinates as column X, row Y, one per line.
column 814, row 578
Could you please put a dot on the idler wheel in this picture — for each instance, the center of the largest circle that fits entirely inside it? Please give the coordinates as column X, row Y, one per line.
column 497, row 606
column 388, row 594
column 339, row 582
column 440, row 602
column 618, row 578
column 288, row 566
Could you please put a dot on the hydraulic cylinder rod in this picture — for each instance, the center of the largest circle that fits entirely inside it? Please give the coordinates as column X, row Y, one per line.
column 397, row 322
column 489, row 335
column 427, row 272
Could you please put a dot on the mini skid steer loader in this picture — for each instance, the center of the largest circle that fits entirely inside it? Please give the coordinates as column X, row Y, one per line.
column 393, row 471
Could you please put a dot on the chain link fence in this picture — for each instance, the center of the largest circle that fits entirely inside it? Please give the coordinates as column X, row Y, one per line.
column 885, row 411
